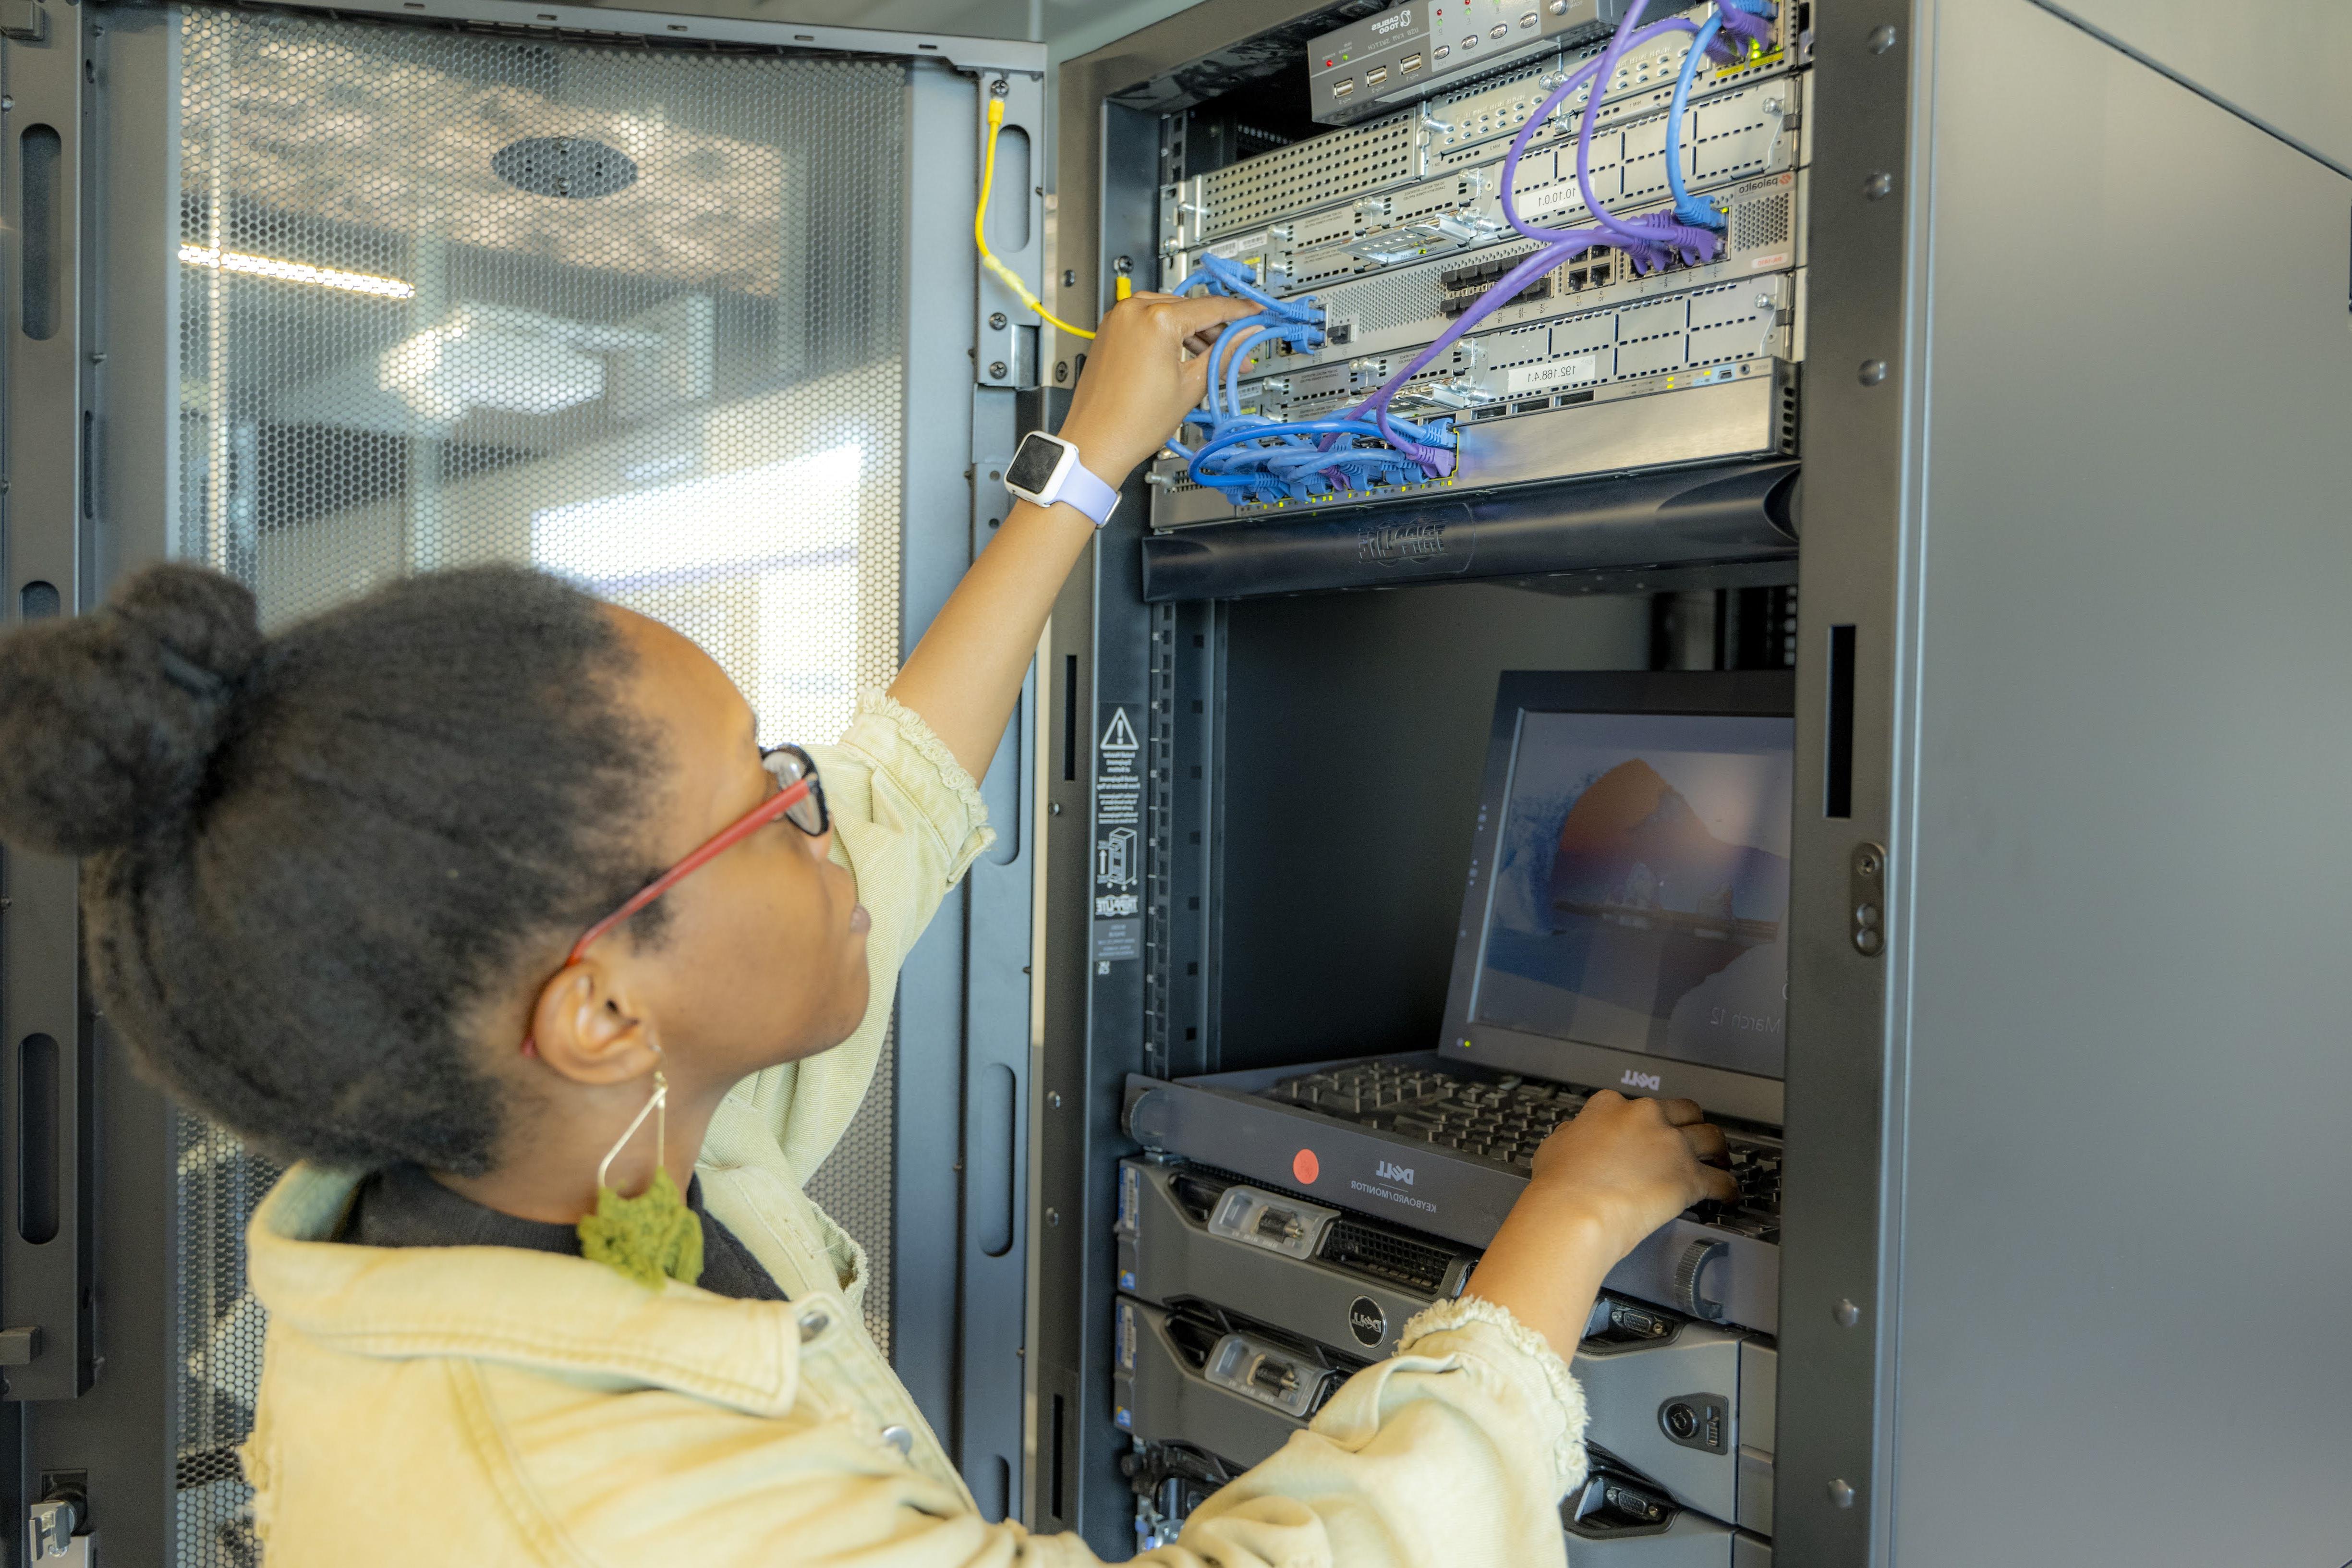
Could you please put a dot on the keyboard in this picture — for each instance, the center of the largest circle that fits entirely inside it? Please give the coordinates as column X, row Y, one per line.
column 1501, row 1120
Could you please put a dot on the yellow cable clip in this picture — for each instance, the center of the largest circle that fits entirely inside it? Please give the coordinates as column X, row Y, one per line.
column 1011, row 278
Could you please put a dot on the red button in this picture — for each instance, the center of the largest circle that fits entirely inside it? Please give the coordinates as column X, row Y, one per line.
column 1305, row 1167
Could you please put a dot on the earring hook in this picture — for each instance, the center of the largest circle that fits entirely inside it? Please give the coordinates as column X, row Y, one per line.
column 660, row 1101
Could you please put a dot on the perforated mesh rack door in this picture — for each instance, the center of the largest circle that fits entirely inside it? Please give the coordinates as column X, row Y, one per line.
column 630, row 314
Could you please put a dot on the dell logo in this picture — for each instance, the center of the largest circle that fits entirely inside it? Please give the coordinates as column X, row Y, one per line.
column 1639, row 1079
column 1367, row 1322
column 1390, row 1173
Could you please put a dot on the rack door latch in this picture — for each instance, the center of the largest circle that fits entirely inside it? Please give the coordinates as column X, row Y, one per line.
column 50, row 1527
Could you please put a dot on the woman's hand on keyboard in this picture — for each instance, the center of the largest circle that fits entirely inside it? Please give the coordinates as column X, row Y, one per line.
column 1601, row 1184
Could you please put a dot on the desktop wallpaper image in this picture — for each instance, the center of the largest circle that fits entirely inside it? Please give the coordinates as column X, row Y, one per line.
column 1640, row 890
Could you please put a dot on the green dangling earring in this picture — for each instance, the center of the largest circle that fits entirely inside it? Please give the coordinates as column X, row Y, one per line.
column 652, row 1236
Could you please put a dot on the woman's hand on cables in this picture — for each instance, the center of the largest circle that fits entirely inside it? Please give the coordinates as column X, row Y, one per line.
column 1601, row 1184
column 1146, row 369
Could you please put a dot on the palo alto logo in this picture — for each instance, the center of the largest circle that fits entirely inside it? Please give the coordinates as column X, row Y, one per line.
column 1639, row 1079
column 1390, row 1171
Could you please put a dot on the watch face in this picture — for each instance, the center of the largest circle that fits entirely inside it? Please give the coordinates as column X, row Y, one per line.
column 1033, row 465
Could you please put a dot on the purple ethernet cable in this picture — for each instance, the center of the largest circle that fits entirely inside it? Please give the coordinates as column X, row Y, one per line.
column 1645, row 239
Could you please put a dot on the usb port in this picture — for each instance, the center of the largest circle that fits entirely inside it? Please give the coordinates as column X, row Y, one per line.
column 1344, row 88
column 1410, row 63
column 1377, row 74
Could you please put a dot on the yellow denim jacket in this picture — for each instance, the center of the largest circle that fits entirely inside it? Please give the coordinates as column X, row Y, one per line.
column 483, row 1405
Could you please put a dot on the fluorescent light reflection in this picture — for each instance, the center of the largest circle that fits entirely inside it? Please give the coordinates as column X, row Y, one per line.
column 297, row 272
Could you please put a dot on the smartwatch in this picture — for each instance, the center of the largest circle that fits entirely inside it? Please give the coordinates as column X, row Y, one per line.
column 1046, row 471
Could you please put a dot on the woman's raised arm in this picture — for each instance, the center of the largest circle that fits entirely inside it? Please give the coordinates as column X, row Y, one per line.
column 965, row 675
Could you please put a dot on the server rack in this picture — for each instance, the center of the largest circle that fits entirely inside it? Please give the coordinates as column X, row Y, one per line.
column 2002, row 475
column 130, row 1348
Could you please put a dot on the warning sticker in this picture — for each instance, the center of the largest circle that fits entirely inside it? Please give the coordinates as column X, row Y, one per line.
column 1119, row 836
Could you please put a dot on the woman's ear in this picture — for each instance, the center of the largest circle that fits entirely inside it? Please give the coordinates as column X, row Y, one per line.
column 587, row 1030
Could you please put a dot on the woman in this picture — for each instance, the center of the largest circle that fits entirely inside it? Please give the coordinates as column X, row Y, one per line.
column 481, row 900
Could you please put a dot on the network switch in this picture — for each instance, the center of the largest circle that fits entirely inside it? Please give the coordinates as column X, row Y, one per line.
column 1396, row 309
column 1355, row 70
column 1358, row 214
column 1449, row 131
column 1396, row 233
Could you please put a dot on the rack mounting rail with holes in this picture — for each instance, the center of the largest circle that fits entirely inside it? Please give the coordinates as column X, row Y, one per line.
column 1522, row 279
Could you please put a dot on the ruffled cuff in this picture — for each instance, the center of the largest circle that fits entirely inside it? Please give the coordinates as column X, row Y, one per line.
column 1483, row 1320
column 899, row 745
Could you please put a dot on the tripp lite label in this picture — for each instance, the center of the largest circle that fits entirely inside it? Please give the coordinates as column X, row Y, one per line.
column 1553, row 373
column 1119, row 836
column 1380, row 544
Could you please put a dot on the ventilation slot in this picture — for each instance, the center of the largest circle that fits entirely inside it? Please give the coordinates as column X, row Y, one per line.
column 1760, row 223
column 1350, row 1245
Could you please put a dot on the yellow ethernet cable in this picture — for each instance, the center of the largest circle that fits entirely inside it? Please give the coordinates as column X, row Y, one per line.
column 979, row 224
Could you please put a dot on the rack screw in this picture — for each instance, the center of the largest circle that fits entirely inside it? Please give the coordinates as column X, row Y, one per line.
column 1880, row 39
column 996, row 320
column 996, row 371
column 1877, row 186
column 1052, row 1216
column 1061, row 370
column 1846, row 1313
column 1841, row 1494
column 1054, row 1100
column 1873, row 371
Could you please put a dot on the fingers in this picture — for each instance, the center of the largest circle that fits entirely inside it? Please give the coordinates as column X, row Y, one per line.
column 1706, row 1141
column 1718, row 1184
column 1681, row 1112
column 1200, row 343
column 1193, row 315
column 1193, row 376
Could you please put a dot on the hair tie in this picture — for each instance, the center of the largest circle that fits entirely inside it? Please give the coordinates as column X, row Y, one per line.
column 186, row 674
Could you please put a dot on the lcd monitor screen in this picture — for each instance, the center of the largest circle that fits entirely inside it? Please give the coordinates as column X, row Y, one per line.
column 1639, row 897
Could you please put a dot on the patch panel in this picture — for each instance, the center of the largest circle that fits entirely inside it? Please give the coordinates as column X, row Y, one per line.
column 1684, row 418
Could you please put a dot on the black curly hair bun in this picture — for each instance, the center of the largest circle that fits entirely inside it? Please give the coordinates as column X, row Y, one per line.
column 108, row 722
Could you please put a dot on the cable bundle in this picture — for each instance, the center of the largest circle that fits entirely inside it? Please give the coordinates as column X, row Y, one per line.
column 1252, row 459
column 1255, row 460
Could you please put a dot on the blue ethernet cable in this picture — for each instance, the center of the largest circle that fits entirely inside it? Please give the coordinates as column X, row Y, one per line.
column 1255, row 458
column 1688, row 208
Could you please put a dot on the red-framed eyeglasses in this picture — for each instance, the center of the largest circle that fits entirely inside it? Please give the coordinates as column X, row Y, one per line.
column 799, row 800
